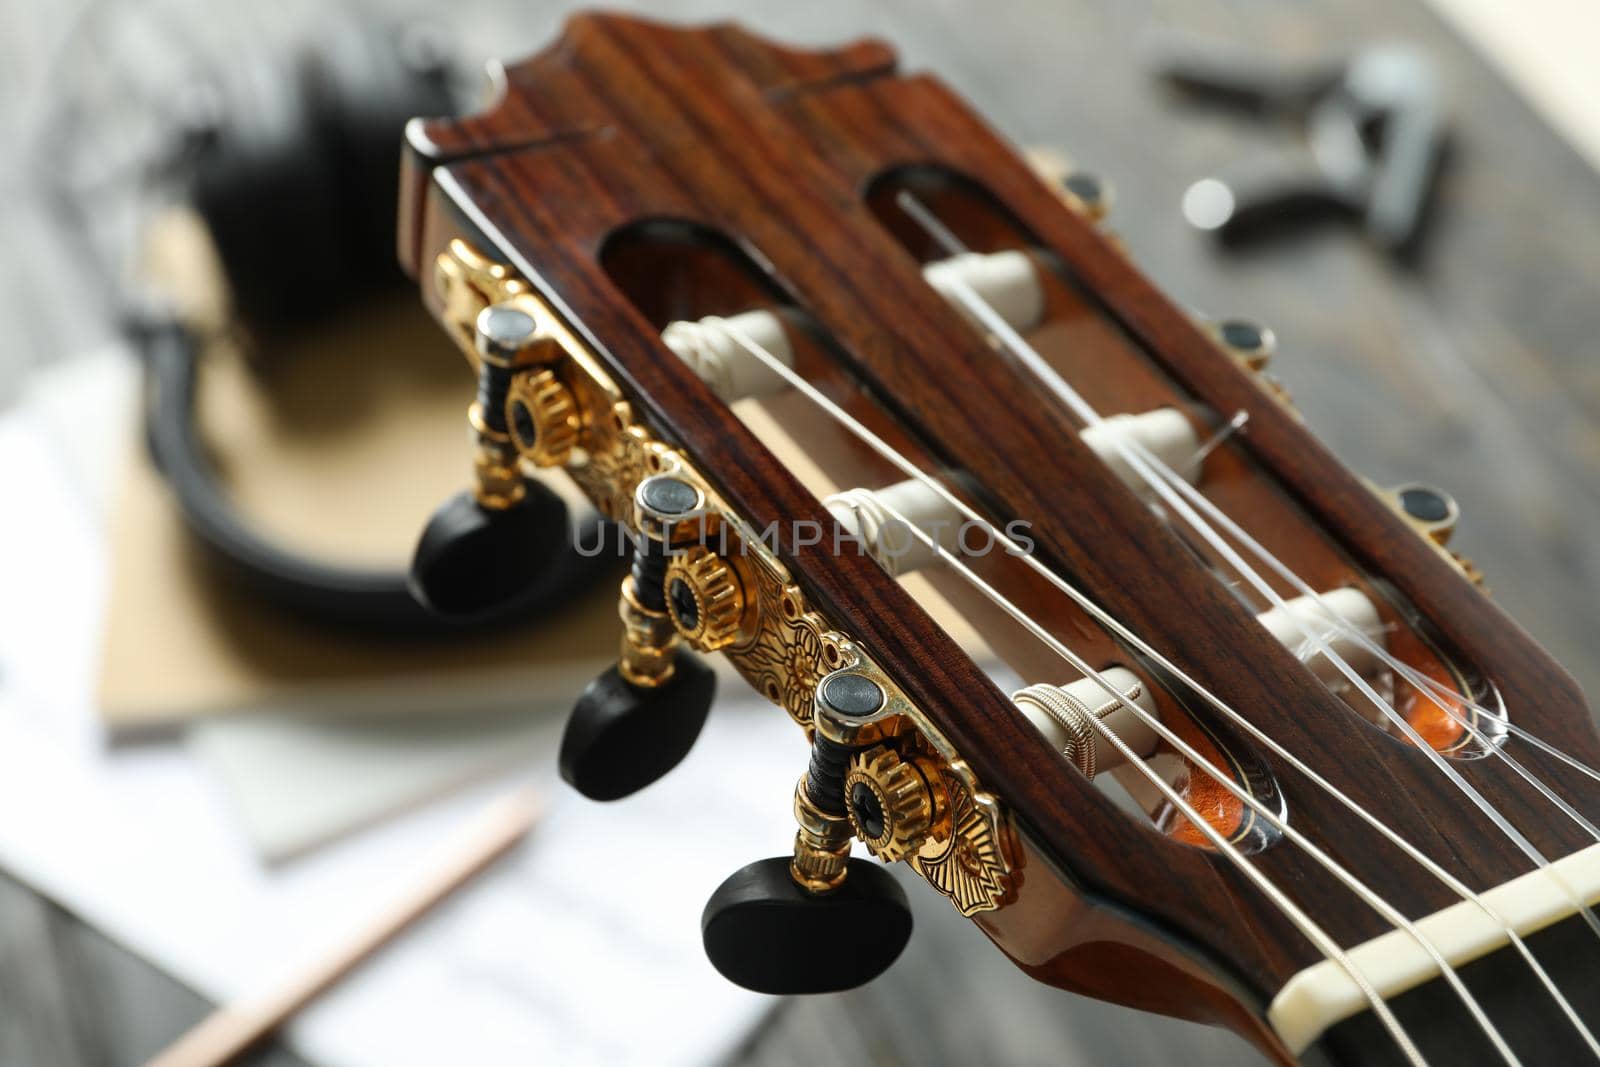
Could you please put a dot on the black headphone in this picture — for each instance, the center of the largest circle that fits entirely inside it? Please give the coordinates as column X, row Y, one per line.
column 309, row 157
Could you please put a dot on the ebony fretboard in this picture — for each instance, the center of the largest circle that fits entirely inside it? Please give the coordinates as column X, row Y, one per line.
column 1516, row 1001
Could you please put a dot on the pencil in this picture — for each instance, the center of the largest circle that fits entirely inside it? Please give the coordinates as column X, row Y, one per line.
column 234, row 1028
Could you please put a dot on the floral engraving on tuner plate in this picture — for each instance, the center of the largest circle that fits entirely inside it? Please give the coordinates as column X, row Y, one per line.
column 969, row 864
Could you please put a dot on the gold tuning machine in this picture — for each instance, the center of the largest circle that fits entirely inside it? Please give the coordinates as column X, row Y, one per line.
column 771, row 926
column 705, row 598
column 542, row 417
column 483, row 550
column 1252, row 347
column 849, row 712
column 649, row 642
column 1083, row 191
column 522, row 405
column 639, row 719
column 892, row 803
column 1089, row 194
column 821, row 844
column 1433, row 513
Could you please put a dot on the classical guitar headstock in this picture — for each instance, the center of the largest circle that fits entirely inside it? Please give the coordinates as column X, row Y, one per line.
column 1264, row 714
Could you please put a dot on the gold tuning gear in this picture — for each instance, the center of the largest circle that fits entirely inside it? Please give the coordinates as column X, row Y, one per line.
column 1088, row 194
column 891, row 805
column 1433, row 514
column 542, row 417
column 705, row 598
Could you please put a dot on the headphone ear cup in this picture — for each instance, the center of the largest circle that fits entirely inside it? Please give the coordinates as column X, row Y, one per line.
column 367, row 82
column 299, row 182
column 263, row 184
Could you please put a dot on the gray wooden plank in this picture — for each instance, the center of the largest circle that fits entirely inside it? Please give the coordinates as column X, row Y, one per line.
column 72, row 997
column 36, row 1025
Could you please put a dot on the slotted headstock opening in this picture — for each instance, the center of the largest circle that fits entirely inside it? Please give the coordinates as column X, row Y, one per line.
column 938, row 214
column 720, row 312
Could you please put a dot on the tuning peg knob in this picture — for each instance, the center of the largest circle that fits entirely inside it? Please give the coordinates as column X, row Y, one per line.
column 623, row 736
column 638, row 720
column 474, row 558
column 820, row 921
column 766, row 933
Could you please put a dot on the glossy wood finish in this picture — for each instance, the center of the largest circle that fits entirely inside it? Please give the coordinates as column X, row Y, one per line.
column 624, row 120
column 668, row 278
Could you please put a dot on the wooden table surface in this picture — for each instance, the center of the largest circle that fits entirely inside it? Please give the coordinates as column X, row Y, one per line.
column 1471, row 369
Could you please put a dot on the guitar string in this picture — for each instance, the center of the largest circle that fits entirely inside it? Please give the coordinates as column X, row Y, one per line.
column 1431, row 691
column 1449, row 701
column 909, row 467
column 1262, row 810
column 1427, row 687
column 1422, row 681
column 1214, row 442
column 1106, row 619
column 1145, row 465
column 947, row 239
column 1512, row 728
column 889, row 453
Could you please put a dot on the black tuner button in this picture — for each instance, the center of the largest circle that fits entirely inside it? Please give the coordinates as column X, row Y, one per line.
column 1426, row 504
column 1253, row 343
column 1242, row 334
column 1091, row 193
column 669, row 497
column 622, row 737
column 1083, row 185
column 1432, row 511
column 764, row 932
column 472, row 559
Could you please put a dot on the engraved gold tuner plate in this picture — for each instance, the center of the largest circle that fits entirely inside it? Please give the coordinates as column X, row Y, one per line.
column 770, row 633
column 968, row 863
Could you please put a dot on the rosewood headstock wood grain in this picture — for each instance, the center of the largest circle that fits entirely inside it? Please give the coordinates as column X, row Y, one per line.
column 1277, row 762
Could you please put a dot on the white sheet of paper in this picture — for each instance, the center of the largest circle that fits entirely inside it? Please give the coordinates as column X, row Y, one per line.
column 300, row 780
column 582, row 947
